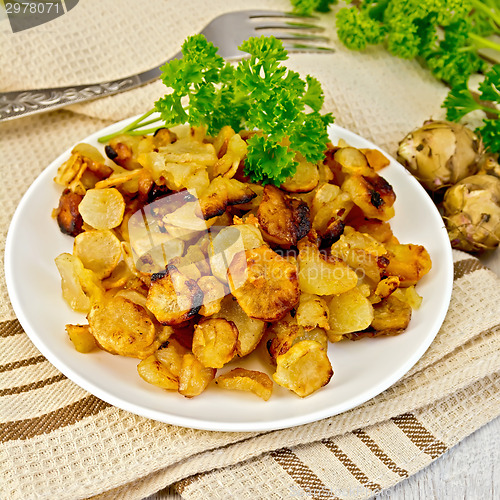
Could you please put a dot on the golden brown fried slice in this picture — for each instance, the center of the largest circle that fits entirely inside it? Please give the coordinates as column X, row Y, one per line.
column 194, row 377
column 102, row 208
column 81, row 337
column 305, row 179
column 304, row 368
column 319, row 275
column 80, row 287
column 408, row 262
column 122, row 327
column 253, row 381
column 213, row 293
column 283, row 220
column 361, row 252
column 384, row 288
column 99, row 250
column 222, row 193
column 391, row 316
column 174, row 298
column 250, row 330
column 153, row 371
column 264, row 283
column 312, row 311
column 349, row 312
column 214, row 342
column 281, row 335
column 376, row 159
column 67, row 214
column 373, row 194
column 170, row 354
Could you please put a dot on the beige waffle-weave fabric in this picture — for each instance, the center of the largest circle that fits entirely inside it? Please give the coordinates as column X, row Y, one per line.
column 58, row 441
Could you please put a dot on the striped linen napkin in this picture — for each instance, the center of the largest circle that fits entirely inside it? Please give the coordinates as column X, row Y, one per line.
column 58, row 441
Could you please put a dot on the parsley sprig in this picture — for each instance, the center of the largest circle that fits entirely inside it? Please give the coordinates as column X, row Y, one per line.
column 259, row 93
column 444, row 34
column 461, row 101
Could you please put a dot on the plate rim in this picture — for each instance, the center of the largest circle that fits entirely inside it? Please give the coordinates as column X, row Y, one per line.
column 196, row 422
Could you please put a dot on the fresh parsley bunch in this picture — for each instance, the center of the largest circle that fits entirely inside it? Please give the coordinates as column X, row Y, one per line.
column 445, row 34
column 258, row 93
column 461, row 101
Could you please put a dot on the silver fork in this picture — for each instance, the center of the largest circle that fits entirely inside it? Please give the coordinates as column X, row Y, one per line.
column 226, row 31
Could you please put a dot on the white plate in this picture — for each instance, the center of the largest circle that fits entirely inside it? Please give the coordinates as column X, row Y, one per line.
column 362, row 369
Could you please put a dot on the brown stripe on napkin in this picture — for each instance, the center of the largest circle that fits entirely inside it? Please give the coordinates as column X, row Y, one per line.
column 466, row 266
column 68, row 415
column 302, row 474
column 419, row 435
column 30, row 387
column 379, row 453
column 10, row 327
column 351, row 466
column 22, row 363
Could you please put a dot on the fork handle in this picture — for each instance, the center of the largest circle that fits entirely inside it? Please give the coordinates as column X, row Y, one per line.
column 20, row 103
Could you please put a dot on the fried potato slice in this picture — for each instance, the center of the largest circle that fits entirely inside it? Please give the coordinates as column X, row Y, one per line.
column 194, row 377
column 391, row 316
column 312, row 312
column 122, row 327
column 250, row 330
column 80, row 287
column 99, row 250
column 153, row 371
column 321, row 276
column 214, row 342
column 373, row 194
column 283, row 220
column 241, row 379
column 81, row 337
column 408, row 262
column 304, row 368
column 102, row 208
column 174, row 298
column 350, row 312
column 264, row 283
column 305, row 179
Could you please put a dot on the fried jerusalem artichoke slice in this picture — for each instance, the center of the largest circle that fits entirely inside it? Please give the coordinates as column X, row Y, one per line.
column 214, row 342
column 173, row 298
column 242, row 379
column 319, row 275
column 123, row 327
column 372, row 193
column 304, row 368
column 250, row 330
column 408, row 262
column 264, row 283
column 283, row 220
column 222, row 193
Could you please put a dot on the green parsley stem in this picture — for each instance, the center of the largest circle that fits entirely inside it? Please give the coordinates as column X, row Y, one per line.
column 487, row 10
column 129, row 127
column 484, row 42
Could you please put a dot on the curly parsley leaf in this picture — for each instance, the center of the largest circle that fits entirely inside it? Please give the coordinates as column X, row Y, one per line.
column 445, row 34
column 257, row 94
